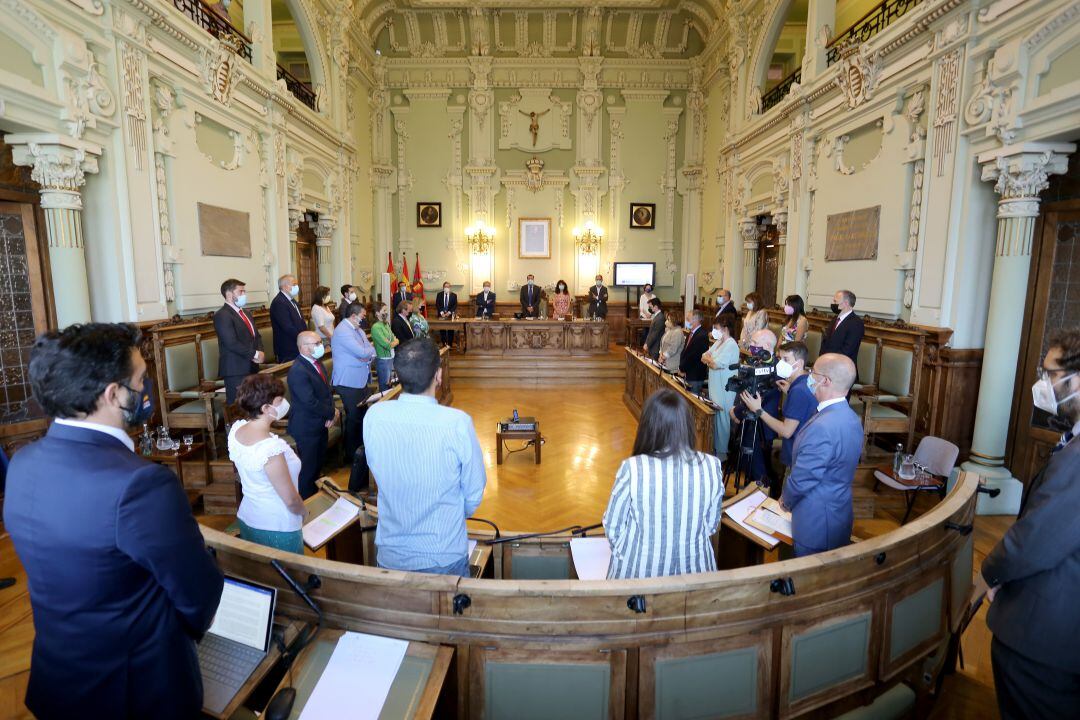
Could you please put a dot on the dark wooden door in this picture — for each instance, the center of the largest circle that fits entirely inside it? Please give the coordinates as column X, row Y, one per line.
column 307, row 264
column 768, row 266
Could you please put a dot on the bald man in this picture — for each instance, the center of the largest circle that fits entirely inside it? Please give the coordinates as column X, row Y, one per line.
column 824, row 458
column 312, row 411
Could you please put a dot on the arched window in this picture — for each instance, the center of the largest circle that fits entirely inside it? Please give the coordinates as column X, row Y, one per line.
column 786, row 61
column 292, row 55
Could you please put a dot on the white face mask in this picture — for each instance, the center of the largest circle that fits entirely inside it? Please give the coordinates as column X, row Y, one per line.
column 282, row 409
column 1042, row 393
column 240, row 300
column 351, row 297
column 487, row 288
column 599, row 283
column 749, row 306
column 294, row 290
column 530, row 283
column 446, row 289
column 784, row 369
column 715, row 333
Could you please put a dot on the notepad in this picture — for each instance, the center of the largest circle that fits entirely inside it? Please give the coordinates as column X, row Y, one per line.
column 591, row 557
column 329, row 523
column 739, row 511
column 769, row 517
column 357, row 679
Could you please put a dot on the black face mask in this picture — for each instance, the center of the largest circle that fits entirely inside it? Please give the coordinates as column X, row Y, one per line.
column 835, row 308
column 142, row 407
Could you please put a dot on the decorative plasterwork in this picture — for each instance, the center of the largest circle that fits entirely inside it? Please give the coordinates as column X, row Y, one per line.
column 946, row 107
column 992, row 100
column 857, row 73
column 668, row 185
column 163, row 97
column 440, row 45
column 515, row 180
column 535, row 120
column 94, row 7
column 996, row 9
column 220, row 68
column 522, row 46
column 131, row 67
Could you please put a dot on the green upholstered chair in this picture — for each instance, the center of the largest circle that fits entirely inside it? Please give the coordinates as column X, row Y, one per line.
column 888, row 405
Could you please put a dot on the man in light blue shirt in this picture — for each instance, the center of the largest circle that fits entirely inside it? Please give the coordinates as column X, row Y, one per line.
column 427, row 462
column 353, row 354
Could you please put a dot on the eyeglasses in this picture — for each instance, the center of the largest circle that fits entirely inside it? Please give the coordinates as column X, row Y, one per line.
column 814, row 372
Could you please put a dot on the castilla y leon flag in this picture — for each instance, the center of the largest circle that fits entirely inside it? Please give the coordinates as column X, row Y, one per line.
column 390, row 269
column 418, row 284
column 403, row 279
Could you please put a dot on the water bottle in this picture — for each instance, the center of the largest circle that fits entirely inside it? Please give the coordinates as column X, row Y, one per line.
column 898, row 458
column 515, row 415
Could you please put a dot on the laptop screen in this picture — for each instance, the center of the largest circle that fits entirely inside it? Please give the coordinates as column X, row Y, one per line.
column 245, row 614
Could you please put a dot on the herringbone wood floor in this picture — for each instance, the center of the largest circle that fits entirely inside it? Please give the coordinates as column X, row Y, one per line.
column 588, row 432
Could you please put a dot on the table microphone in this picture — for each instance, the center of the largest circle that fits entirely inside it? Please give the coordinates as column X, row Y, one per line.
column 280, row 706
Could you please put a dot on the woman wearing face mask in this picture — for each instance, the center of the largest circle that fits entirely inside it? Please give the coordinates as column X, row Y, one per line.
column 795, row 328
column 321, row 317
column 723, row 353
column 382, row 337
column 671, row 344
column 644, row 311
column 418, row 318
column 562, row 300
column 271, row 512
column 755, row 319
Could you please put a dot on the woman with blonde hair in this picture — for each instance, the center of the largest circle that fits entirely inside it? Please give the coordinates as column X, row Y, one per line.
column 671, row 344
column 382, row 337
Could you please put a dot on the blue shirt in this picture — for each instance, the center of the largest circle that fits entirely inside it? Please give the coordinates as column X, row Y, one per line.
column 800, row 405
column 427, row 462
column 353, row 354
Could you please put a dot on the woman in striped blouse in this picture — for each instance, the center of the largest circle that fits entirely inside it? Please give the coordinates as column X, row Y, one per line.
column 666, row 500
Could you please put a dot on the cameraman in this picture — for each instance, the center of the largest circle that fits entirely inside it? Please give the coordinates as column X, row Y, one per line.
column 799, row 405
column 759, row 443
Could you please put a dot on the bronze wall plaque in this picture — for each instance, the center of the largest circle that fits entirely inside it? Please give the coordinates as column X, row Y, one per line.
column 224, row 232
column 853, row 235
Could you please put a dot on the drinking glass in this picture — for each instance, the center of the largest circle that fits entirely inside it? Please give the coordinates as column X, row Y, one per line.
column 189, row 440
column 907, row 468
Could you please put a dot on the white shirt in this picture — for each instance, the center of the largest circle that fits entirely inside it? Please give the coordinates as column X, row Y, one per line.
column 643, row 305
column 107, row 429
column 826, row 403
column 320, row 316
column 292, row 301
column 262, row 508
column 720, row 309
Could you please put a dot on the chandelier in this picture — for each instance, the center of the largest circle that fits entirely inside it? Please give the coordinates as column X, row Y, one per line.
column 588, row 238
column 481, row 237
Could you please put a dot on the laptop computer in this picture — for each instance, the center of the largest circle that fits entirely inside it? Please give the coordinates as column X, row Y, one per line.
column 236, row 642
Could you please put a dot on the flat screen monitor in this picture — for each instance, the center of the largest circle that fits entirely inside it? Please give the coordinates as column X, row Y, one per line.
column 631, row 274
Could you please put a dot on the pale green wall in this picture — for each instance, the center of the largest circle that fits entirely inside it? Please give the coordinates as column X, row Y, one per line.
column 18, row 60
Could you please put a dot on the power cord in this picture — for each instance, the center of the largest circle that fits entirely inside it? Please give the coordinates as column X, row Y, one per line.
column 528, row 444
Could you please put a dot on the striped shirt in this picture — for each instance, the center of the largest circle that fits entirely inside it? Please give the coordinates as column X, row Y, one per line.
column 661, row 514
column 427, row 462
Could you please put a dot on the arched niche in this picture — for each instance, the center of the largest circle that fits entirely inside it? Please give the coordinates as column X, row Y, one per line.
column 296, row 12
column 782, row 45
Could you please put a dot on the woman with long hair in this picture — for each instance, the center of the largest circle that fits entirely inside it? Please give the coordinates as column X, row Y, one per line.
column 562, row 300
column 795, row 328
column 755, row 319
column 666, row 500
column 321, row 316
column 722, row 354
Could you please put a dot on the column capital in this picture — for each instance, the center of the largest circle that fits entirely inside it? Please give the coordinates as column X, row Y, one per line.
column 1021, row 172
column 748, row 229
column 59, row 165
column 324, row 228
column 780, row 219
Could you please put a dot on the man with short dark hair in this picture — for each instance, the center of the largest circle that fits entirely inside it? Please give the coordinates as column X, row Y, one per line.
column 530, row 298
column 1034, row 571
column 286, row 318
column 240, row 347
column 427, row 462
column 353, row 355
column 690, row 363
column 313, row 412
column 399, row 324
column 485, row 301
column 598, row 299
column 446, row 307
column 348, row 297
column 121, row 584
column 656, row 329
column 844, row 335
column 759, row 444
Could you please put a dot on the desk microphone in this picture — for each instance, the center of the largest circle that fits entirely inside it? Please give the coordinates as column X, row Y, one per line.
column 280, row 706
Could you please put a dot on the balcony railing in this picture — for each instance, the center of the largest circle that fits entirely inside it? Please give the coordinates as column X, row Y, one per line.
column 300, row 89
column 869, row 25
column 215, row 24
column 778, row 93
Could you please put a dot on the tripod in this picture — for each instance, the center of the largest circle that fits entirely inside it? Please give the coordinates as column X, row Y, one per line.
column 744, row 461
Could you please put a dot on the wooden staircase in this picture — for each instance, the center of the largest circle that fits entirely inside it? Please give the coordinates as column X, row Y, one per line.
column 532, row 372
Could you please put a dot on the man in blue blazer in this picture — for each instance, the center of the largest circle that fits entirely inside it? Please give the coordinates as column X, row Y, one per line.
column 530, row 298
column 824, row 458
column 485, row 301
column 121, row 584
column 286, row 318
column 353, row 355
column 313, row 412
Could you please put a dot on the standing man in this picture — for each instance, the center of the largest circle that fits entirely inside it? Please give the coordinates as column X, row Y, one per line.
column 240, row 347
column 824, row 458
column 485, row 301
column 426, row 489
column 353, row 354
column 121, row 584
column 697, row 343
column 348, row 297
column 724, row 304
column 313, row 412
column 598, row 297
column 845, row 334
column 401, row 295
column 1034, row 571
column 446, row 307
column 400, row 325
column 656, row 329
column 286, row 318
column 530, row 298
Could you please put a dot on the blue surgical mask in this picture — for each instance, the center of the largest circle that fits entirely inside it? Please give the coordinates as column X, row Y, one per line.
column 811, row 383
column 241, row 300
column 318, row 351
column 294, row 290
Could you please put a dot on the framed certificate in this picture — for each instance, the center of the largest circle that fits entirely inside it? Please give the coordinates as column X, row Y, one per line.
column 534, row 237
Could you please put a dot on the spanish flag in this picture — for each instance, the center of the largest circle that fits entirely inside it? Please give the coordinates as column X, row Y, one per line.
column 403, row 279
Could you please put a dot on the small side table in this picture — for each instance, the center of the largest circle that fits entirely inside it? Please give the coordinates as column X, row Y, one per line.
column 911, row 488
column 526, row 435
column 177, row 458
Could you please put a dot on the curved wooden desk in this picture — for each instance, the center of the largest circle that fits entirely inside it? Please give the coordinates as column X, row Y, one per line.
column 861, row 619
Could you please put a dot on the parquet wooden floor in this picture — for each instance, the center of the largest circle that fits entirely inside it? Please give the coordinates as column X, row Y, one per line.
column 588, row 432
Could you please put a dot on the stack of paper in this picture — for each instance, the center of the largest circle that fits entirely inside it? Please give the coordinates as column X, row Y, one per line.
column 769, row 517
column 740, row 510
column 357, row 680
column 591, row 557
column 325, row 526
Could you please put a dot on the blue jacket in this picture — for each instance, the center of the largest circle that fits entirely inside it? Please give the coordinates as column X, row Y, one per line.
column 353, row 354
column 485, row 304
column 310, row 398
column 120, row 581
column 287, row 322
column 818, row 491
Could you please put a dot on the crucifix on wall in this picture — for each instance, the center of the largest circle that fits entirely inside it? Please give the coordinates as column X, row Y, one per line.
column 534, row 122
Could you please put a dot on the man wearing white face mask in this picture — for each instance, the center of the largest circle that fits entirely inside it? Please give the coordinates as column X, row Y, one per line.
column 240, row 346
column 598, row 299
column 1034, row 571
column 286, row 318
column 313, row 409
column 353, row 354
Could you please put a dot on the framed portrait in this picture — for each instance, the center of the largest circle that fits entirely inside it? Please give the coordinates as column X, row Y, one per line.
column 428, row 214
column 534, row 237
column 642, row 216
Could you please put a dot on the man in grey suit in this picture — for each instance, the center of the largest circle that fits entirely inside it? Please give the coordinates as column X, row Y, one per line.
column 824, row 458
column 1034, row 571
column 656, row 329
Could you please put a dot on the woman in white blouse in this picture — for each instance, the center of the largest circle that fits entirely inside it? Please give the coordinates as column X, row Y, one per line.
column 644, row 311
column 666, row 501
column 321, row 317
column 271, row 512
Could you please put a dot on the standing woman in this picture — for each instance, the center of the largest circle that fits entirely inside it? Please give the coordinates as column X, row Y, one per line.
column 794, row 329
column 321, row 317
column 382, row 337
column 723, row 353
column 418, row 318
column 666, row 500
column 562, row 300
column 644, row 311
column 271, row 512
column 671, row 344
column 755, row 319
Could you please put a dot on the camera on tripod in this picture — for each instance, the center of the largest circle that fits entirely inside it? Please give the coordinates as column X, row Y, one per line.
column 755, row 376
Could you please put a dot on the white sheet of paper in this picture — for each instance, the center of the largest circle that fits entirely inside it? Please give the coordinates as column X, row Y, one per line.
column 773, row 521
column 738, row 512
column 337, row 516
column 357, row 679
column 472, row 547
column 591, row 557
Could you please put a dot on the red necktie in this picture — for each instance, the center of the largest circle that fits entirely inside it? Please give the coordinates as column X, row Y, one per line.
column 319, row 369
column 247, row 322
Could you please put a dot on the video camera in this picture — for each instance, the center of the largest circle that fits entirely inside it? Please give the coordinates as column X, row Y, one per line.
column 756, row 376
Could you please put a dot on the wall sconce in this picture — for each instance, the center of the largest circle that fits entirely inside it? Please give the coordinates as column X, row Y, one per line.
column 481, row 237
column 588, row 238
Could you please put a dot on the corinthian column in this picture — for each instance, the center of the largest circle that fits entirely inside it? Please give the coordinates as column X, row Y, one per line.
column 324, row 231
column 1019, row 174
column 748, row 228
column 780, row 219
column 59, row 165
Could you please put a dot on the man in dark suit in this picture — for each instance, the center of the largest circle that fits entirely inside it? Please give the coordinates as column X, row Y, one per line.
column 530, row 298
column 844, row 334
column 313, row 412
column 656, row 329
column 399, row 324
column 598, row 297
column 120, row 582
column 348, row 297
column 485, row 301
column 724, row 304
column 824, row 458
column 401, row 295
column 690, row 363
column 1034, row 571
column 286, row 318
column 446, row 307
column 240, row 347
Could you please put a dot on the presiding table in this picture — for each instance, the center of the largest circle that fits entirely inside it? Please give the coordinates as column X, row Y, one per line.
column 528, row 337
